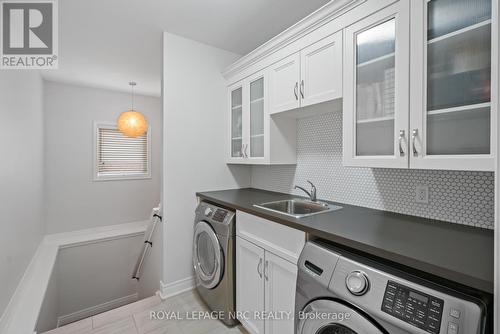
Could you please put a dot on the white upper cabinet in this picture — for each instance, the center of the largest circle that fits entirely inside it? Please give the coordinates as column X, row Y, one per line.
column 451, row 113
column 415, row 93
column 376, row 87
column 430, row 110
column 308, row 77
column 284, row 82
column 248, row 129
column 255, row 137
column 321, row 71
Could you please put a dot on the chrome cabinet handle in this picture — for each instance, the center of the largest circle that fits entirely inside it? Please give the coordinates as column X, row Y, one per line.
column 401, row 138
column 295, row 90
column 302, row 88
column 266, row 269
column 414, row 135
column 259, row 268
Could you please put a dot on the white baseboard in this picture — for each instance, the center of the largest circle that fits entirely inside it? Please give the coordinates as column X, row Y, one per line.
column 175, row 288
column 91, row 311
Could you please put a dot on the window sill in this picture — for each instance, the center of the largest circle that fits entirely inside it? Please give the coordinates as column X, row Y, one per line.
column 98, row 178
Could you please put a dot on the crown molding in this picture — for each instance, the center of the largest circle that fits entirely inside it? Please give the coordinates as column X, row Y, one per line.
column 323, row 15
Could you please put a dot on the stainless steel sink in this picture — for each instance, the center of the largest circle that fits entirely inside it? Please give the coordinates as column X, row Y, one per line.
column 298, row 208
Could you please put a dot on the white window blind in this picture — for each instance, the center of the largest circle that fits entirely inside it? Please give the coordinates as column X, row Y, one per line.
column 119, row 156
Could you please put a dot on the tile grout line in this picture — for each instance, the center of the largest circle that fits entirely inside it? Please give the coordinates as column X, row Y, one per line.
column 135, row 323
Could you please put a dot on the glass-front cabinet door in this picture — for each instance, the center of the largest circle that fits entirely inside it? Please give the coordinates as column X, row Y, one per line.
column 236, row 115
column 376, row 86
column 451, row 122
column 257, row 104
column 249, row 121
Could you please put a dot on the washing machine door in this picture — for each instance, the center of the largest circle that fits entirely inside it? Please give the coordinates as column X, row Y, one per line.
column 208, row 259
column 325, row 316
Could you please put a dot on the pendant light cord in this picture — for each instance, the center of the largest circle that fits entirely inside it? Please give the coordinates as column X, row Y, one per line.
column 133, row 84
column 133, row 97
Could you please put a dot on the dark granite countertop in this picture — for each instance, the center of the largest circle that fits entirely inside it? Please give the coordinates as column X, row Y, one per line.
column 456, row 253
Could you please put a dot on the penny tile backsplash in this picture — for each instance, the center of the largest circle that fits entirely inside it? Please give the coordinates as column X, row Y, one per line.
column 454, row 196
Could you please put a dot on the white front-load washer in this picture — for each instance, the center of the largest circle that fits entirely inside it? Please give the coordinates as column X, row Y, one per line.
column 339, row 292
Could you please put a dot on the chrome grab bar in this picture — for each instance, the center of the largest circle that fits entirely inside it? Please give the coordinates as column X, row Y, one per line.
column 148, row 244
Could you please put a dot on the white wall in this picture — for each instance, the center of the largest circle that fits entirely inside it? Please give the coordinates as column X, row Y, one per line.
column 195, row 127
column 21, row 175
column 96, row 273
column 93, row 277
column 73, row 200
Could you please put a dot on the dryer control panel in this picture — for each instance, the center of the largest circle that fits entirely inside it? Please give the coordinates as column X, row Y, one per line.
column 214, row 214
column 414, row 307
column 219, row 215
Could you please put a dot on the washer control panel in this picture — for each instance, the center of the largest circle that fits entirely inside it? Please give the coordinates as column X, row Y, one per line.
column 414, row 307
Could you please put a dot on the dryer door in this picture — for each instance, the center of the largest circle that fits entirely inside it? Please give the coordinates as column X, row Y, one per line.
column 208, row 259
column 325, row 316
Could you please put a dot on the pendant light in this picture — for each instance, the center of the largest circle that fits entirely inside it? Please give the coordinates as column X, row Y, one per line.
column 132, row 123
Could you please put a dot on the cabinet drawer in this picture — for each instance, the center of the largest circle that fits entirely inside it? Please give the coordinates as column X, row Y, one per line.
column 281, row 240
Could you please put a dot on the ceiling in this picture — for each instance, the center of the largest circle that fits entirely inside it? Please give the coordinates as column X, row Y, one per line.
column 108, row 43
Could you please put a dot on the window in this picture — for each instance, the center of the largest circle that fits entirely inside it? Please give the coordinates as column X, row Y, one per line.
column 119, row 157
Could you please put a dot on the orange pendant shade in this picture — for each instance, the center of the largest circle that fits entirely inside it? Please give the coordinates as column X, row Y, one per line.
column 132, row 123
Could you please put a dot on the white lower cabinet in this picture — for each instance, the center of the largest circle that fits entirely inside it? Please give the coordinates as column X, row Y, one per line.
column 249, row 284
column 279, row 292
column 266, row 274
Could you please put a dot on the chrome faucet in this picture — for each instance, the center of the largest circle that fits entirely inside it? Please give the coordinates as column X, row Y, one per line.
column 312, row 194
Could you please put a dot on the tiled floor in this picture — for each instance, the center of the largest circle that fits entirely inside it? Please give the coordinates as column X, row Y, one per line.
column 135, row 319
